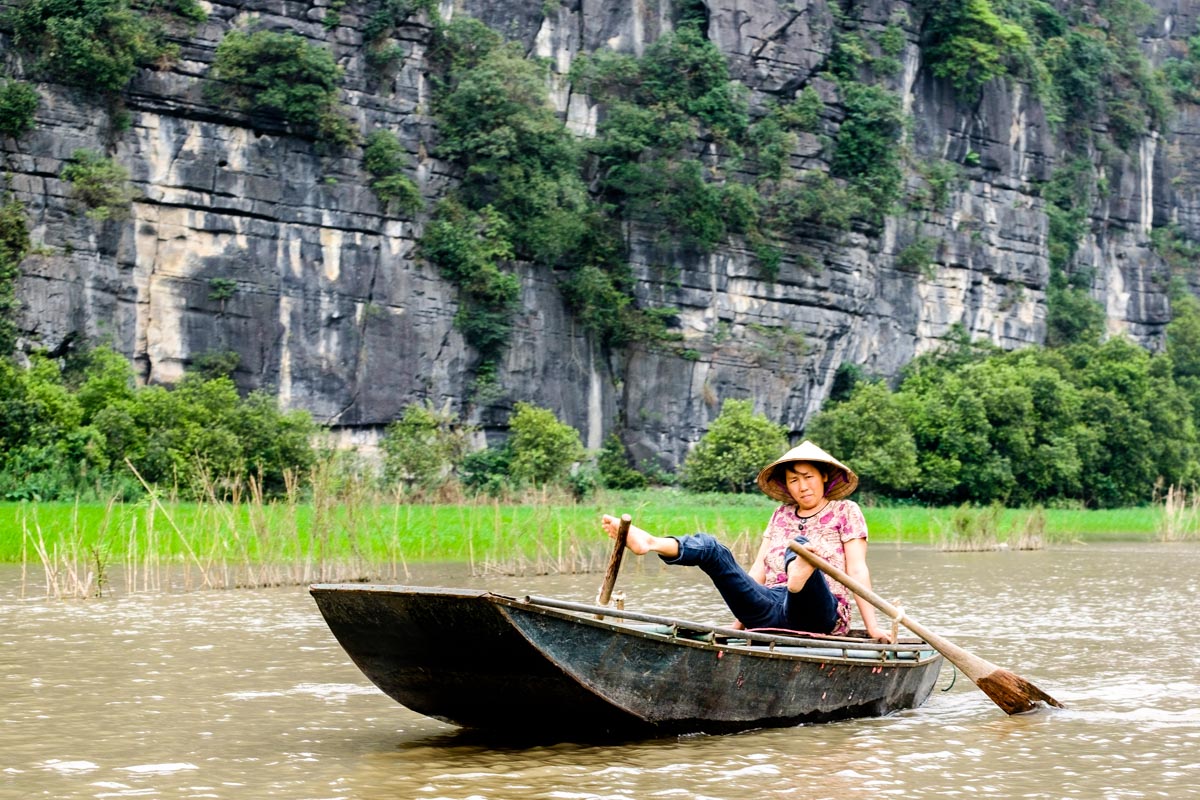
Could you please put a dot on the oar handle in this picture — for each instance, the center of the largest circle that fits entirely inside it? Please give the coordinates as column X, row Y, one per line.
column 969, row 663
column 844, row 579
column 614, row 561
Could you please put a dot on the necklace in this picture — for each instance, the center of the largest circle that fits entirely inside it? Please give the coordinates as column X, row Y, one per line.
column 804, row 520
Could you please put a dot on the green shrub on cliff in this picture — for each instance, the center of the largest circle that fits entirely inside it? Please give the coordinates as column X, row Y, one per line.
column 89, row 43
column 18, row 102
column 469, row 248
column 496, row 121
column 970, row 44
column 384, row 157
column 281, row 76
column 14, row 244
column 99, row 183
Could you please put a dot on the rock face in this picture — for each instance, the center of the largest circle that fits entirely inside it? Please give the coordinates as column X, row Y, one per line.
column 331, row 307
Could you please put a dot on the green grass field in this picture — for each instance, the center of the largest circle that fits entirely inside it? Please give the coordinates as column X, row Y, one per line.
column 423, row 533
column 81, row 549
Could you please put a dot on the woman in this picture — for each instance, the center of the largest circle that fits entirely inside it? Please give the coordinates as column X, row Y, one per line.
column 782, row 590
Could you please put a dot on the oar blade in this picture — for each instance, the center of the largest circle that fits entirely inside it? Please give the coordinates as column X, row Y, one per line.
column 1012, row 693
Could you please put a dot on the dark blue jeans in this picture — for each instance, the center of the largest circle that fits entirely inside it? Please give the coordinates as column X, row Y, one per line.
column 812, row 609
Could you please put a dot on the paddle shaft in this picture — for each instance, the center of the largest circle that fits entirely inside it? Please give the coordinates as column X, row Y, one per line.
column 614, row 561
column 1011, row 692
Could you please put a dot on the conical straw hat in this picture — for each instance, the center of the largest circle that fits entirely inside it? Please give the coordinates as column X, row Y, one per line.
column 841, row 482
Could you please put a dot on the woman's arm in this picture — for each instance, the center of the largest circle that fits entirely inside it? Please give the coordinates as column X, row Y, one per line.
column 856, row 567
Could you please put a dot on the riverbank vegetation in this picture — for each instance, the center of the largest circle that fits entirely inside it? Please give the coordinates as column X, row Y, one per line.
column 347, row 532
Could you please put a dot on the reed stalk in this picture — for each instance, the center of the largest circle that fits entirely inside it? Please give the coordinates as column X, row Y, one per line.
column 1180, row 519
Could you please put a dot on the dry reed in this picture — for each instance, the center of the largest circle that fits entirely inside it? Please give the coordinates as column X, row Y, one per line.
column 1181, row 515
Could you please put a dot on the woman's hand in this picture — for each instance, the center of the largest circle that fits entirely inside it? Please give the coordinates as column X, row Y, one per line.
column 881, row 636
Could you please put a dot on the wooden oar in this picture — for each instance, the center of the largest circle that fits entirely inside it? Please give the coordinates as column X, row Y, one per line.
column 614, row 563
column 1011, row 692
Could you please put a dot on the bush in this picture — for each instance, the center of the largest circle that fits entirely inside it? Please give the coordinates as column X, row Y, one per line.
column 99, row 183
column 612, row 463
column 970, row 44
column 18, row 102
column 496, row 121
column 384, row 157
column 488, row 470
column 14, row 244
column 543, row 449
column 63, row 434
column 280, row 76
column 467, row 248
column 89, row 43
column 737, row 445
column 869, row 431
column 423, row 446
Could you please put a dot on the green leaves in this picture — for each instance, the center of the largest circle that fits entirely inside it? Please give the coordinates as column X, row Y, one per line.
column 737, row 445
column 282, row 76
column 543, row 448
column 385, row 158
column 14, row 244
column 65, row 434
column 99, row 183
column 423, row 445
column 18, row 102
column 89, row 43
column 1098, row 424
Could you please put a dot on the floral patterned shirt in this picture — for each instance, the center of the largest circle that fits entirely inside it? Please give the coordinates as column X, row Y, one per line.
column 837, row 523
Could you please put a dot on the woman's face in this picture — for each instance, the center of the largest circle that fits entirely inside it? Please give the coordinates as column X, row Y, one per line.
column 805, row 484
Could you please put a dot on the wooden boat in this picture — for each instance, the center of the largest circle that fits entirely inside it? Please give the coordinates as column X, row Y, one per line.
column 548, row 667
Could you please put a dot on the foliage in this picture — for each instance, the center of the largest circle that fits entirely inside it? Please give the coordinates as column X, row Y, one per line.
column 18, row 102
column 215, row 364
column 918, row 255
column 1100, row 424
column 468, row 248
column 384, row 157
column 1071, row 314
column 1182, row 75
column 488, row 470
column 867, row 151
column 99, row 183
column 869, row 430
column 1087, row 68
column 67, row 433
column 89, row 43
column 14, row 244
column 424, row 445
column 281, row 76
column 736, row 446
column 821, row 200
column 543, row 449
column 969, row 44
column 497, row 123
column 612, row 463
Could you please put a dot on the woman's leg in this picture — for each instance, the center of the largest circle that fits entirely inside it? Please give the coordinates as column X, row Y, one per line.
column 810, row 604
column 754, row 605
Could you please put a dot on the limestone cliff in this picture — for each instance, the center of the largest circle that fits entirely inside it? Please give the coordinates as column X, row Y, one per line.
column 331, row 306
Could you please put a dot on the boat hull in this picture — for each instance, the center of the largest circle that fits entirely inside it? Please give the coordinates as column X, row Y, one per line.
column 487, row 661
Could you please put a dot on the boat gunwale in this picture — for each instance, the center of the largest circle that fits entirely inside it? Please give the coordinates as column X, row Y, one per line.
column 745, row 642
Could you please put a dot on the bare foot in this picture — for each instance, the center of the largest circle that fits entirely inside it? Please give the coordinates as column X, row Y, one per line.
column 798, row 573
column 637, row 540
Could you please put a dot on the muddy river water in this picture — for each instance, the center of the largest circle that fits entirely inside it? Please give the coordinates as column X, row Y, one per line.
column 245, row 694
